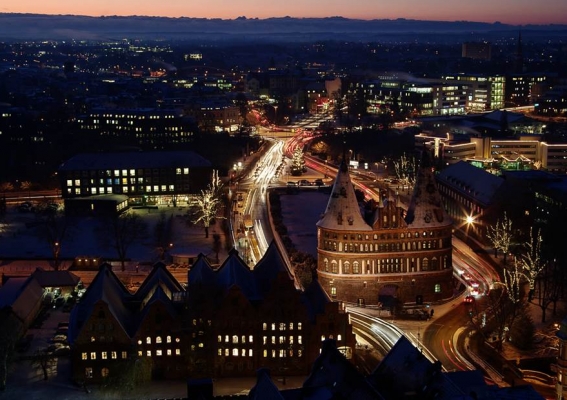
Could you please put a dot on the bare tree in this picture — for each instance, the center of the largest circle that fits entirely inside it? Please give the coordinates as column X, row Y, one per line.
column 501, row 235
column 26, row 185
column 512, row 280
column 53, row 227
column 206, row 205
column 531, row 260
column 43, row 359
column 548, row 287
column 163, row 234
column 10, row 330
column 125, row 230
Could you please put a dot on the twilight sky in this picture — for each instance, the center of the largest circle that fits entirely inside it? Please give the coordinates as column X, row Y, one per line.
column 505, row 11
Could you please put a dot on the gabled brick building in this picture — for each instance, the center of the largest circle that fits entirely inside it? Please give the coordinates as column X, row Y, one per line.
column 228, row 322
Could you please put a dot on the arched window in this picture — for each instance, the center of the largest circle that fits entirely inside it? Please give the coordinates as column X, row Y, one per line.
column 346, row 267
column 148, row 340
column 326, row 265
column 355, row 267
column 158, row 339
column 334, row 268
column 425, row 264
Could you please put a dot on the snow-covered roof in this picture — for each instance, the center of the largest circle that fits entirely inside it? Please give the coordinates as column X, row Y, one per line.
column 132, row 159
column 475, row 182
column 343, row 211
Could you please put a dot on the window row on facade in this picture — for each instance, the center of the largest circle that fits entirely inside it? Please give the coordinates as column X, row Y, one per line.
column 386, row 236
column 382, row 247
column 386, row 265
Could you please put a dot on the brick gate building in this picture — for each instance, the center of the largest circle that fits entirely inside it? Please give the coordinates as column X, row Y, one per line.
column 390, row 254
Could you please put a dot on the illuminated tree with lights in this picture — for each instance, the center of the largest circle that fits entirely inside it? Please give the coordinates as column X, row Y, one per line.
column 531, row 260
column 205, row 205
column 501, row 235
column 297, row 162
column 405, row 169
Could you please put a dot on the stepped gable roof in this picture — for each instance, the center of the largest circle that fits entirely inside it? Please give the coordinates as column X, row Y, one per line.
column 406, row 370
column 159, row 276
column 201, row 272
column 235, row 272
column 159, row 295
column 55, row 278
column 315, row 299
column 265, row 387
column 135, row 159
column 105, row 287
column 269, row 267
column 334, row 377
column 475, row 182
column 343, row 212
column 426, row 209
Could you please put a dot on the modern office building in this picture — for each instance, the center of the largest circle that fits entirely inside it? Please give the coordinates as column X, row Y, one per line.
column 394, row 255
column 145, row 177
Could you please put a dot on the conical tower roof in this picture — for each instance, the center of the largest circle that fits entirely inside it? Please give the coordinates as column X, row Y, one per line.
column 426, row 209
column 343, row 211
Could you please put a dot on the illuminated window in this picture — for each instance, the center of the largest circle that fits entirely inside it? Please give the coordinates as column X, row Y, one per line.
column 88, row 373
column 273, row 353
column 104, row 372
column 148, row 353
column 93, row 355
column 264, row 326
column 282, row 353
column 219, row 339
column 226, row 352
column 69, row 182
column 250, row 352
column 84, row 356
column 148, row 340
column 250, row 339
column 158, row 339
column 140, row 353
column 437, row 288
column 299, row 340
column 291, row 340
column 273, row 326
column 168, row 339
column 299, row 326
column 168, row 352
column 273, row 340
column 322, row 338
column 104, row 355
column 339, row 338
column 282, row 326
column 243, row 340
column 282, row 339
column 265, row 353
column 158, row 353
column 177, row 340
column 177, row 352
column 185, row 171
column 124, row 354
column 234, row 339
column 113, row 355
column 219, row 352
column 226, row 339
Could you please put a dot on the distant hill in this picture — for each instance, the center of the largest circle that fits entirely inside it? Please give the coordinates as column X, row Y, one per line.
column 38, row 26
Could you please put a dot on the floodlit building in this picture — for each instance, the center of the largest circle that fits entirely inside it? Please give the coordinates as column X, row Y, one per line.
column 395, row 255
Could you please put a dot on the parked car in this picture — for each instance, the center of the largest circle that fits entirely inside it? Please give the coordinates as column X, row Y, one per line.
column 319, row 182
column 304, row 182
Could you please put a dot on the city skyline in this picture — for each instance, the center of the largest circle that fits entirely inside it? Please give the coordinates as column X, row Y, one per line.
column 524, row 12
